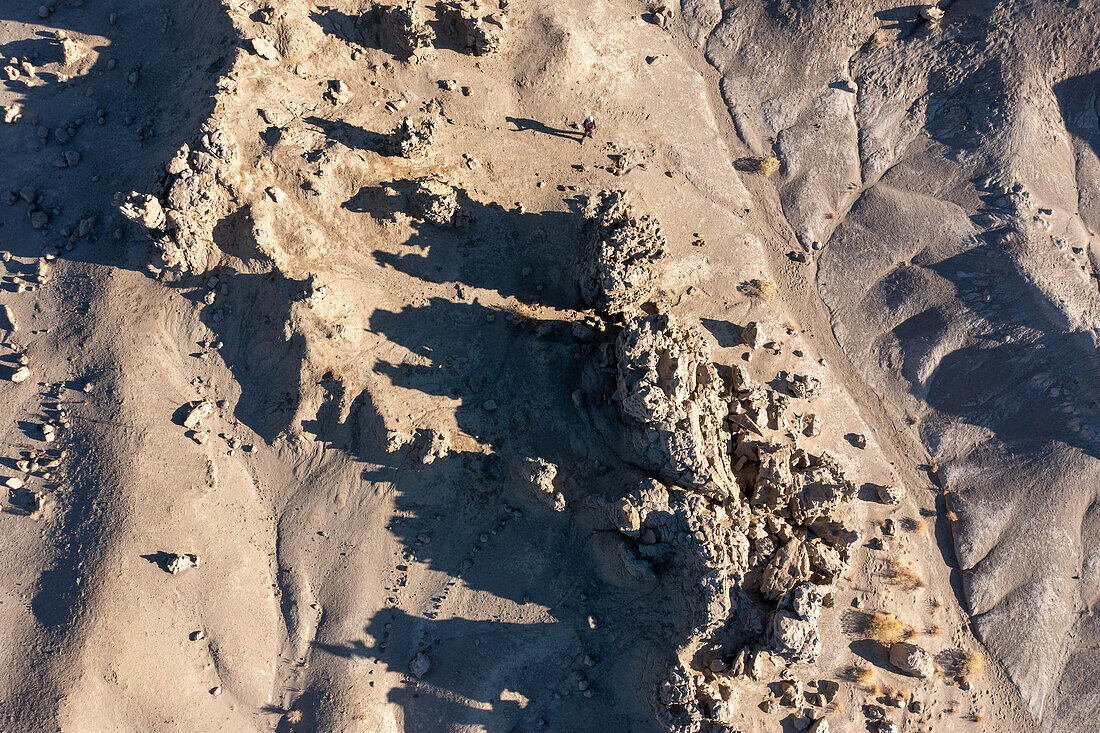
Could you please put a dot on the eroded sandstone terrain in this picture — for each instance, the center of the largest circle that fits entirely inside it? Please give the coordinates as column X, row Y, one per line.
column 352, row 387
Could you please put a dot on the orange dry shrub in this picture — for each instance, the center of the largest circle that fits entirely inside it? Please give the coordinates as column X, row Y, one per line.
column 971, row 665
column 885, row 628
column 861, row 675
column 900, row 572
column 767, row 166
column 762, row 289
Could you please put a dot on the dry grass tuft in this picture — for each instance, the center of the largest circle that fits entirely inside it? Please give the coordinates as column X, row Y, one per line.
column 767, row 166
column 885, row 628
column 762, row 289
column 861, row 675
column 901, row 572
column 919, row 526
column 951, row 516
column 294, row 716
column 934, row 630
column 971, row 665
column 978, row 718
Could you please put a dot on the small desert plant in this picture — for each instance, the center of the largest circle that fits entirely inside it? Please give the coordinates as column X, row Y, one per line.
column 861, row 675
column 294, row 716
column 909, row 524
column 900, row 572
column 971, row 665
column 978, row 718
column 951, row 516
column 934, row 630
column 762, row 289
column 885, row 628
column 768, row 165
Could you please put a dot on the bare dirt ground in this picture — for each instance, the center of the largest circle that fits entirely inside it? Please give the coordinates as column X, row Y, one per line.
column 333, row 301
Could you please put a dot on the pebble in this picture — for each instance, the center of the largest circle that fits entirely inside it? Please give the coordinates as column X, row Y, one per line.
column 21, row 374
column 490, row 405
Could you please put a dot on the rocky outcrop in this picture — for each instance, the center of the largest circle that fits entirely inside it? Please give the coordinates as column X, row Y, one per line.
column 739, row 523
column 413, row 140
column 475, row 32
column 197, row 195
column 616, row 270
column 434, row 201
column 408, row 28
column 672, row 403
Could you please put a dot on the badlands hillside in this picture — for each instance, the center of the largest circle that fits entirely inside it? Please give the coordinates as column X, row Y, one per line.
column 350, row 386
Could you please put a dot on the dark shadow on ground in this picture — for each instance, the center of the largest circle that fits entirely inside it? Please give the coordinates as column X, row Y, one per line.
column 354, row 137
column 523, row 124
column 492, row 250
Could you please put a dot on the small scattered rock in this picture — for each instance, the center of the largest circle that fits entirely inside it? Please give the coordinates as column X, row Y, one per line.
column 178, row 563
column 753, row 335
column 890, row 494
column 912, row 660
column 420, row 665
column 198, row 414
column 932, row 14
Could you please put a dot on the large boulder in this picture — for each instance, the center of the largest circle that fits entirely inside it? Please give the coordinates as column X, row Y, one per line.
column 434, row 201
column 789, row 566
column 792, row 633
column 912, row 660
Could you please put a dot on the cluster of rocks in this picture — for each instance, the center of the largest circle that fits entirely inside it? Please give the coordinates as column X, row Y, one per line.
column 17, row 69
column 44, row 465
column 434, row 201
column 615, row 271
column 410, row 30
column 35, row 201
column 469, row 28
column 739, row 521
column 663, row 14
column 412, row 139
column 476, row 32
column 197, row 193
column 178, row 562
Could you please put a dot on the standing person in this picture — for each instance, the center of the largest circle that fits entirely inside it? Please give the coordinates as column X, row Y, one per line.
column 589, row 128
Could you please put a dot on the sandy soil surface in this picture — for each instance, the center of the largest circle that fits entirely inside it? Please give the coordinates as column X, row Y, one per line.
column 352, row 388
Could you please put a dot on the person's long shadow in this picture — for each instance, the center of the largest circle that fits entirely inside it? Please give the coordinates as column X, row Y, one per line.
column 524, row 124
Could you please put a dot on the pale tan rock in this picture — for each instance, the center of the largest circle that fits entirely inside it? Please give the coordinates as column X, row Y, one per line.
column 198, row 414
